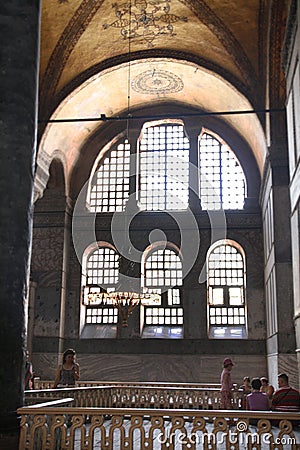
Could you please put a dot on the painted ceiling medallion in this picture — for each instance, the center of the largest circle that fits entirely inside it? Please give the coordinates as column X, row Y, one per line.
column 144, row 21
column 157, row 82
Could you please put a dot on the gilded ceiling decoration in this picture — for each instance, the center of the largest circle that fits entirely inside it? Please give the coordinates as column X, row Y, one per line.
column 210, row 54
column 144, row 21
column 157, row 82
column 196, row 29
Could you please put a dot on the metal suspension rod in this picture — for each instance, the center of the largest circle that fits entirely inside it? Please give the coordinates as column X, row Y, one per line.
column 104, row 118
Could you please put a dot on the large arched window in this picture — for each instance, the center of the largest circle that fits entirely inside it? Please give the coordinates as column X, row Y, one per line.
column 163, row 276
column 159, row 173
column 163, row 167
column 226, row 290
column 163, row 157
column 109, row 182
column 222, row 180
column 100, row 273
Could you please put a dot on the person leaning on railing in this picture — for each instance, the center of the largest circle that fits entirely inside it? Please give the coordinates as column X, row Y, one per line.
column 68, row 372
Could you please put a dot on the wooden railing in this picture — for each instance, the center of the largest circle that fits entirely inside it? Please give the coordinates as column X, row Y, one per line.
column 48, row 384
column 137, row 396
column 48, row 428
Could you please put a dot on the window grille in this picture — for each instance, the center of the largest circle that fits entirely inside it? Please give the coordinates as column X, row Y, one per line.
column 226, row 287
column 110, row 185
column 101, row 315
column 163, row 168
column 102, row 274
column 222, row 180
column 163, row 184
column 163, row 274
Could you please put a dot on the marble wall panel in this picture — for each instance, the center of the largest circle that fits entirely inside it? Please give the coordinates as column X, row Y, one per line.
column 288, row 364
column 283, row 363
column 145, row 367
column 47, row 312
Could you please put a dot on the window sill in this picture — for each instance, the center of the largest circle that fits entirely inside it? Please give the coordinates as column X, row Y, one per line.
column 162, row 332
column 227, row 333
column 99, row 332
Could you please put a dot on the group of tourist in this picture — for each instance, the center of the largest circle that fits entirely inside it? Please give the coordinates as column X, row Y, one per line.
column 259, row 395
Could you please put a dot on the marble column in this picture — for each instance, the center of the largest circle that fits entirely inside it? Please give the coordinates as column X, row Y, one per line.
column 290, row 60
column 19, row 35
column 280, row 343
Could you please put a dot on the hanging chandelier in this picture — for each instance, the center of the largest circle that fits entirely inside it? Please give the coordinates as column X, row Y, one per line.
column 124, row 301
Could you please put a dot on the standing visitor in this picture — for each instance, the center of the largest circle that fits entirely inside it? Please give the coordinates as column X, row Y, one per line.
column 29, row 375
column 226, row 384
column 68, row 372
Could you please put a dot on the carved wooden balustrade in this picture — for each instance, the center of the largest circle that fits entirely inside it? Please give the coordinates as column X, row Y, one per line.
column 96, row 396
column 170, row 397
column 47, row 384
column 138, row 396
column 49, row 428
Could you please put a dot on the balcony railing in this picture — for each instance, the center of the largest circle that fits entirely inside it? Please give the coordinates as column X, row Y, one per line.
column 137, row 396
column 48, row 428
column 48, row 384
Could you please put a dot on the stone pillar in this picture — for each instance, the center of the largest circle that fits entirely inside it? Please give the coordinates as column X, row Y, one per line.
column 130, row 268
column 50, row 270
column 19, row 34
column 30, row 314
column 291, row 53
column 193, row 132
column 278, row 271
column 276, row 215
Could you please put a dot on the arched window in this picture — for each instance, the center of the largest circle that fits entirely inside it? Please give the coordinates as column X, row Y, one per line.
column 163, row 276
column 100, row 273
column 109, row 181
column 226, row 290
column 162, row 183
column 163, row 167
column 222, row 180
column 163, row 172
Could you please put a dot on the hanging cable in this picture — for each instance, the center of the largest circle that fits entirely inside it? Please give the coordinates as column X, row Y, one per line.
column 128, row 117
column 129, row 72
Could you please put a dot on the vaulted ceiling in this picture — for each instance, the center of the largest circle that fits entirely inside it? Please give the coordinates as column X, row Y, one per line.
column 103, row 59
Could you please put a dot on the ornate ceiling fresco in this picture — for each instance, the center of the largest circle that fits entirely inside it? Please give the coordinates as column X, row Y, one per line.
column 144, row 22
column 96, row 55
column 157, row 82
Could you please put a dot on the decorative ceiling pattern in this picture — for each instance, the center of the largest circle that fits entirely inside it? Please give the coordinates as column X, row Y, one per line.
column 87, row 33
column 143, row 21
column 210, row 55
column 157, row 82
